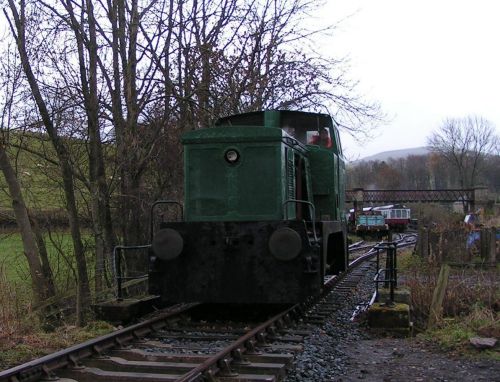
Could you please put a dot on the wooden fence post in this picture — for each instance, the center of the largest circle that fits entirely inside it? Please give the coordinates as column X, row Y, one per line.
column 423, row 242
column 488, row 245
column 436, row 310
column 493, row 249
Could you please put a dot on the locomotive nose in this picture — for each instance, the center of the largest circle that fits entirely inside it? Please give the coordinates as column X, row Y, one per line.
column 167, row 244
column 285, row 244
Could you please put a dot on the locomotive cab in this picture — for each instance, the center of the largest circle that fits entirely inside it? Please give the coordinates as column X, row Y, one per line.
column 262, row 221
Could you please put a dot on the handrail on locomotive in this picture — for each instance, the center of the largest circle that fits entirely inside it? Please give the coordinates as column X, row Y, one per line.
column 312, row 212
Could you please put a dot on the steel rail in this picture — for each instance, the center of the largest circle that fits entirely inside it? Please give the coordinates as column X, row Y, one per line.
column 202, row 369
column 198, row 372
column 72, row 356
column 44, row 366
column 239, row 344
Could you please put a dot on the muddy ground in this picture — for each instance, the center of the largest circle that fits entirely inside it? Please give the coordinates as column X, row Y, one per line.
column 390, row 359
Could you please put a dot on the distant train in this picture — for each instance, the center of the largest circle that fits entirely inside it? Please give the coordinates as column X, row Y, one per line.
column 395, row 217
column 263, row 199
column 371, row 223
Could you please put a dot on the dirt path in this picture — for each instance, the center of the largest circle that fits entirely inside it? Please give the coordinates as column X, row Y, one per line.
column 412, row 360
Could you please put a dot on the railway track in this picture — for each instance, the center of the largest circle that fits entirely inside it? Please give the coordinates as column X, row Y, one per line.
column 168, row 347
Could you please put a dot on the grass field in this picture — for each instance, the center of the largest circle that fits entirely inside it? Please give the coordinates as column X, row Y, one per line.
column 12, row 259
column 14, row 266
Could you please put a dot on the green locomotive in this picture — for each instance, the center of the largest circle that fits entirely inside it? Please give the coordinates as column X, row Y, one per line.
column 263, row 212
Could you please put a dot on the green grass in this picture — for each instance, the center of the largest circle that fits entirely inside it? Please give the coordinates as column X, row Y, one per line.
column 14, row 263
column 14, row 266
column 39, row 178
column 453, row 334
column 12, row 259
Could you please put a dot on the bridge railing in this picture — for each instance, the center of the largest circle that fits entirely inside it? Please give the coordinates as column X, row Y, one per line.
column 407, row 196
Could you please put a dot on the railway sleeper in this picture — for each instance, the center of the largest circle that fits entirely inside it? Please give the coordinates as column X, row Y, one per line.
column 315, row 317
column 247, row 378
column 289, row 338
column 141, row 355
column 199, row 337
column 260, row 368
column 316, row 322
column 253, row 372
column 92, row 374
column 121, row 364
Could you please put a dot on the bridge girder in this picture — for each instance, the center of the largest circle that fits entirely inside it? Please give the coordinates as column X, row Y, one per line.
column 408, row 196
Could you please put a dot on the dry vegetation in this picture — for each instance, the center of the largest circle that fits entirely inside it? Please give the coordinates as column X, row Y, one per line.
column 11, row 309
column 471, row 305
column 21, row 335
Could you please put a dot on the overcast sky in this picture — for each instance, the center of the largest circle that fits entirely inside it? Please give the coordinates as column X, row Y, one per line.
column 423, row 61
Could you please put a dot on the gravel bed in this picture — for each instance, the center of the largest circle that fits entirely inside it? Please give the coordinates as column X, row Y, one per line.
column 341, row 350
column 324, row 357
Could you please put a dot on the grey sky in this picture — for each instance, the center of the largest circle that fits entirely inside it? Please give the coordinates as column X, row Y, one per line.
column 423, row 61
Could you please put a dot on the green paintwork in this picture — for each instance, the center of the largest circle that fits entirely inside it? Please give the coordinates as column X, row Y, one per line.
column 324, row 176
column 233, row 134
column 257, row 186
column 272, row 118
column 250, row 190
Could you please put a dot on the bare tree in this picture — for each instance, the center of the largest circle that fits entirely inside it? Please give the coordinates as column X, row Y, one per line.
column 465, row 142
column 34, row 250
column 18, row 22
column 85, row 40
column 149, row 70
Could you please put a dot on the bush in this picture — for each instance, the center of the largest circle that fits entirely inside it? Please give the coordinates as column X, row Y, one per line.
column 470, row 306
column 467, row 288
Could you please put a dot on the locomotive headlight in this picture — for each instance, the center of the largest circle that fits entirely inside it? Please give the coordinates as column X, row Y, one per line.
column 232, row 156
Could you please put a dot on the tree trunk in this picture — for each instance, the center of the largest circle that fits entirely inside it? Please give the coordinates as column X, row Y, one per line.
column 44, row 257
column 42, row 287
column 83, row 289
column 103, row 230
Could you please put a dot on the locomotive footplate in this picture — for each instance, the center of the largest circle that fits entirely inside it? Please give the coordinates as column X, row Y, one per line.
column 234, row 262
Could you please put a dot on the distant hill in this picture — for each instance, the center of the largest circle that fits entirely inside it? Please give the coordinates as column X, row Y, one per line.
column 395, row 154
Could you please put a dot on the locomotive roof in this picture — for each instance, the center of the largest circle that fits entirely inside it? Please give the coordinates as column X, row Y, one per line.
column 239, row 133
column 277, row 118
column 291, row 127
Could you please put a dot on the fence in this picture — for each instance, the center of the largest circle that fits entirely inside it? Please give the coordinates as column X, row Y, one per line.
column 459, row 246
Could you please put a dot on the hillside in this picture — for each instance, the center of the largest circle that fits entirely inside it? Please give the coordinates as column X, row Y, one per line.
column 395, row 154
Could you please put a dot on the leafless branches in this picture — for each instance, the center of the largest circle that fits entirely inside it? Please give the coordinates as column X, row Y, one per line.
column 464, row 143
column 134, row 74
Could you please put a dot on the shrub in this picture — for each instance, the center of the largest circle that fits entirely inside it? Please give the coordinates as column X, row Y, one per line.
column 467, row 289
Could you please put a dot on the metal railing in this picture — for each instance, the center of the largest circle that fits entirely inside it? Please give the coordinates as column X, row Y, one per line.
column 117, row 251
column 312, row 212
column 158, row 202
column 388, row 275
column 403, row 196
